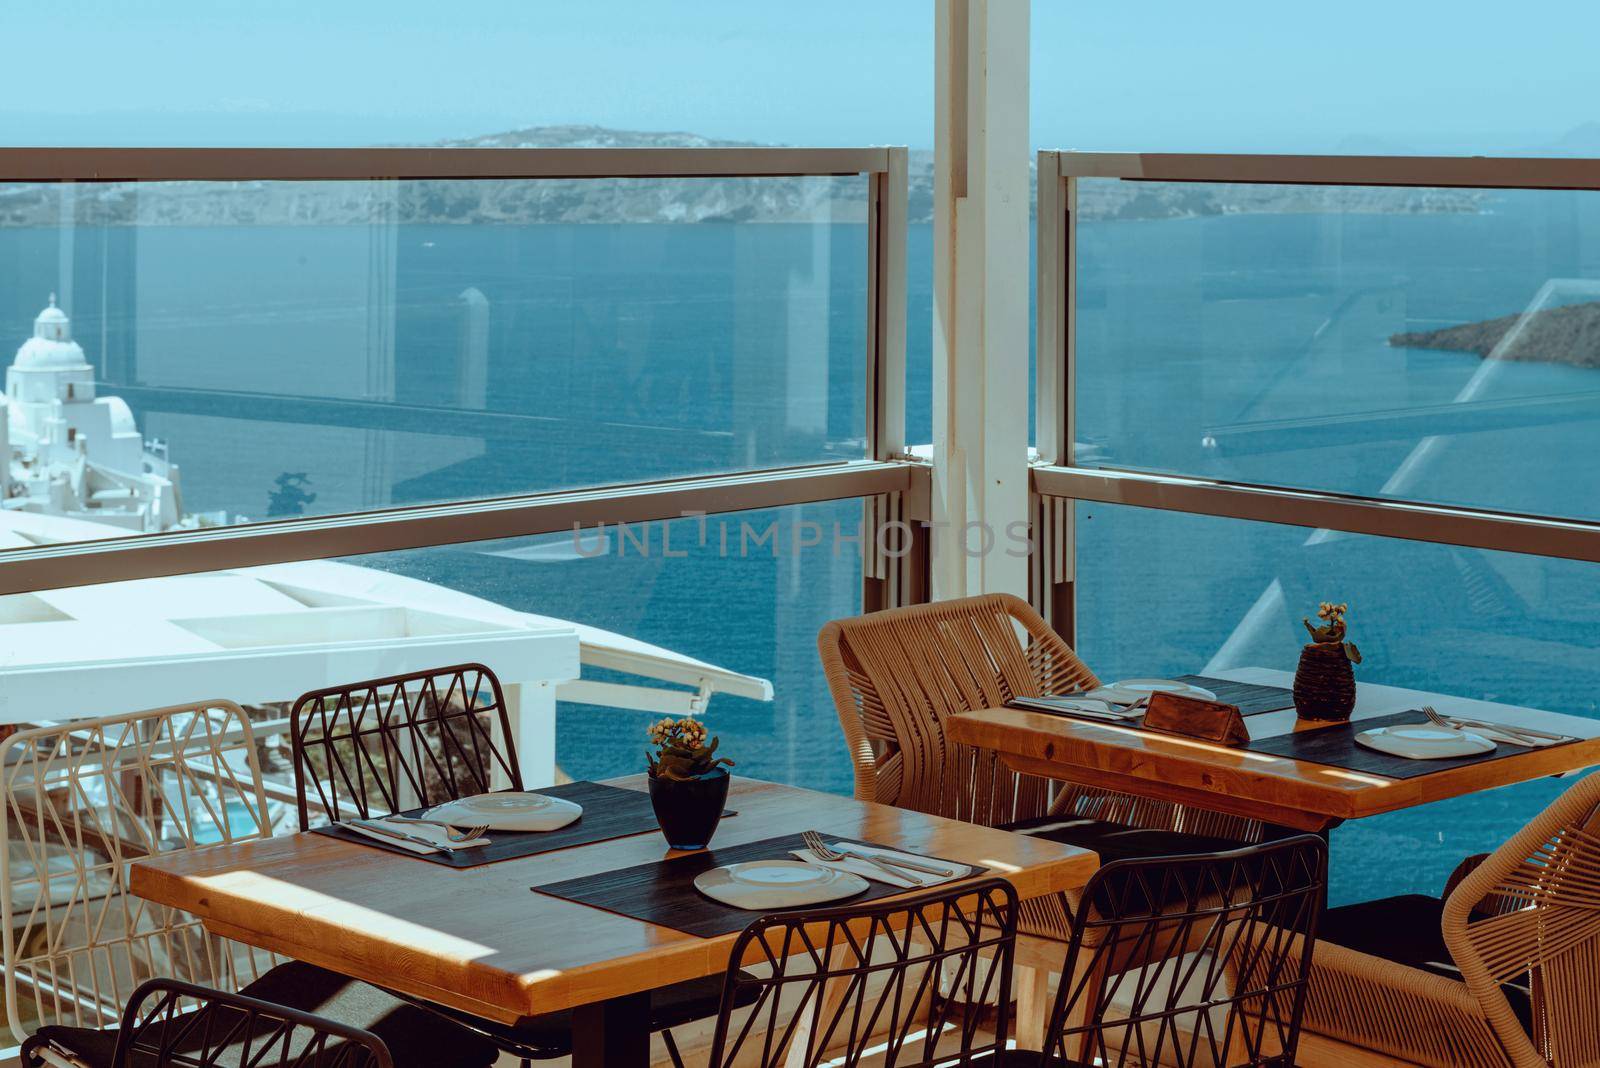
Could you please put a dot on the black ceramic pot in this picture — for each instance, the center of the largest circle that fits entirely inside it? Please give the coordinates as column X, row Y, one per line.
column 688, row 809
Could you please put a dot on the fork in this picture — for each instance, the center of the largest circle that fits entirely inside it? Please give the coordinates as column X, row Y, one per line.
column 1527, row 736
column 814, row 842
column 456, row 832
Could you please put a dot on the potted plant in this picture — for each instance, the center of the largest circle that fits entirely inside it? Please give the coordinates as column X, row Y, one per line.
column 688, row 782
column 1325, row 682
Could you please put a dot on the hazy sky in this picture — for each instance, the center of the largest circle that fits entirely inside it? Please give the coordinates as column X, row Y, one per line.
column 1419, row 75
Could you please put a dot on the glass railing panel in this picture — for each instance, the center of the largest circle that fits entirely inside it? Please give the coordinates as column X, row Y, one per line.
column 280, row 349
column 1167, row 593
column 594, row 635
column 1432, row 344
column 746, row 592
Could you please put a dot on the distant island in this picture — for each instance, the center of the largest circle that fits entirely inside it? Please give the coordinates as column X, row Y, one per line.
column 1568, row 334
column 712, row 200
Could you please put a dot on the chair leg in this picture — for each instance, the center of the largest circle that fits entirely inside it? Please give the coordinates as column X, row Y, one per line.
column 672, row 1049
column 1033, row 1006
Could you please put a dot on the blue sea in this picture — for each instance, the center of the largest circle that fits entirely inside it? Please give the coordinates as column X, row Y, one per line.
column 310, row 370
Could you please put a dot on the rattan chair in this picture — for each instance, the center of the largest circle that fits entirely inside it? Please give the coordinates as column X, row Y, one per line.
column 896, row 676
column 380, row 746
column 841, row 984
column 1501, row 971
column 1192, row 962
column 84, row 799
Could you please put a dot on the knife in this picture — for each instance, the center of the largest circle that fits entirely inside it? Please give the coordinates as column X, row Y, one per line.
column 1510, row 728
column 911, row 865
column 390, row 832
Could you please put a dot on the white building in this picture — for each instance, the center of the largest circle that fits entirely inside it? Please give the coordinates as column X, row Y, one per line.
column 65, row 451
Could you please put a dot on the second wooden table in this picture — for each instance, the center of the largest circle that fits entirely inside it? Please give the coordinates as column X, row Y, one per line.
column 1279, row 790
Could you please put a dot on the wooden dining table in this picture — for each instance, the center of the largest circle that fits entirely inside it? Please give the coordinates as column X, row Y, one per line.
column 1277, row 789
column 479, row 940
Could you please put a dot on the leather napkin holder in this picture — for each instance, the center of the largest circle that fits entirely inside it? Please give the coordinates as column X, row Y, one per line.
column 1211, row 721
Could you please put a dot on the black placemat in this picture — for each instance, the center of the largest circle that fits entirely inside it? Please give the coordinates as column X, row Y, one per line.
column 1249, row 697
column 608, row 812
column 663, row 893
column 1336, row 746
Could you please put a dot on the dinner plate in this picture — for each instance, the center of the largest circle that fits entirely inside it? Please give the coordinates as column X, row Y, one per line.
column 768, row 884
column 1424, row 742
column 1128, row 691
column 509, row 810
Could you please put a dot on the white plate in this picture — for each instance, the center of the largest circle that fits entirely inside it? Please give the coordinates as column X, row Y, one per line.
column 771, row 884
column 1130, row 690
column 509, row 811
column 1424, row 742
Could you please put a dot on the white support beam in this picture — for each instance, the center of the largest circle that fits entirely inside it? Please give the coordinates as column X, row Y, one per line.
column 980, row 286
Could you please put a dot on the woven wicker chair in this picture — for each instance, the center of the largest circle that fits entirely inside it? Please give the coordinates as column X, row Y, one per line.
column 1522, row 930
column 897, row 676
column 79, row 802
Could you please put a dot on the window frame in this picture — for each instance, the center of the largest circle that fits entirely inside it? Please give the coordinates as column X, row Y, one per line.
column 884, row 478
column 1057, row 481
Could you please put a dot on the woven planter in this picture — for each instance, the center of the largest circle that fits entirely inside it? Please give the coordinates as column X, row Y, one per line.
column 1325, row 683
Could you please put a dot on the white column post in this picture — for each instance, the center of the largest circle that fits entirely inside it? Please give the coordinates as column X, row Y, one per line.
column 980, row 287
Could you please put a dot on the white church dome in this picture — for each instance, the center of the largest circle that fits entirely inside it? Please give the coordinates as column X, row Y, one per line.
column 51, row 347
column 121, row 416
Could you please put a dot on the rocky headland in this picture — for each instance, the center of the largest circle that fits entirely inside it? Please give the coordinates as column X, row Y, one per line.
column 1567, row 334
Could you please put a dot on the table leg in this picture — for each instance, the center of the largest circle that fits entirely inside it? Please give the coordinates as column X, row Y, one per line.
column 613, row 1033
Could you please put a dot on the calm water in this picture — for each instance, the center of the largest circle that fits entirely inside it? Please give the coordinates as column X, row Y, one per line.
column 670, row 350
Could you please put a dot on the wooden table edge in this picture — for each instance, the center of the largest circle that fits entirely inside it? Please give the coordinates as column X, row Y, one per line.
column 1064, row 756
column 685, row 957
column 695, row 957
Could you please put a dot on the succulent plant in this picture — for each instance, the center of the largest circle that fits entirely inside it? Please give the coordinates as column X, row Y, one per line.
column 681, row 750
column 1332, row 630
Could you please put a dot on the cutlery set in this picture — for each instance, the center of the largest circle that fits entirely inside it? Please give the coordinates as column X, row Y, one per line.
column 897, row 866
column 457, row 834
column 1500, row 732
column 900, row 867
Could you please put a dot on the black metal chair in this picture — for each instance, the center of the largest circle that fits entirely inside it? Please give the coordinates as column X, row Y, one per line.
column 379, row 746
column 172, row 1024
column 384, row 745
column 907, row 974
column 159, row 1031
column 1192, row 960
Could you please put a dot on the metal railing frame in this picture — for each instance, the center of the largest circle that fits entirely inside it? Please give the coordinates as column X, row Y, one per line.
column 883, row 478
column 1058, row 481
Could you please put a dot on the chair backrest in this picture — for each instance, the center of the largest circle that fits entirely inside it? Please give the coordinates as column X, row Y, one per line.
column 833, row 983
column 1531, row 911
column 171, row 1024
column 84, row 799
column 1193, row 960
column 895, row 677
column 385, row 745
